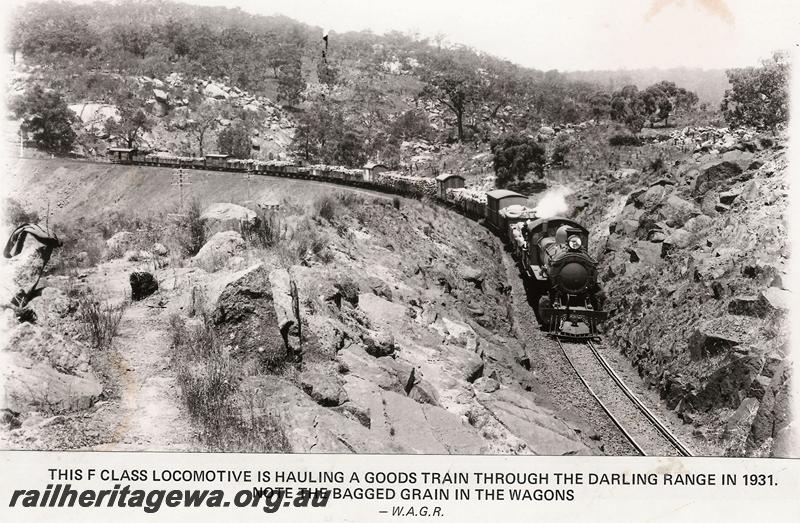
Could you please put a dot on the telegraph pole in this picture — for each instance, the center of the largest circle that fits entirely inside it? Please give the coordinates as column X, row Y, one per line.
column 249, row 180
column 180, row 181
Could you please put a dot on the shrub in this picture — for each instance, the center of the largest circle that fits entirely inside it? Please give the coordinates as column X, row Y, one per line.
column 396, row 202
column 623, row 139
column 268, row 230
column 350, row 199
column 559, row 155
column 192, row 232
column 99, row 321
column 325, row 207
column 516, row 155
column 16, row 214
column 208, row 378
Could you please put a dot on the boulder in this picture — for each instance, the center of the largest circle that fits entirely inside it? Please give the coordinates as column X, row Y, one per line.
column 472, row 275
column 773, row 415
column 32, row 385
column 161, row 95
column 280, row 280
column 52, row 306
column 244, row 317
column 750, row 192
column 143, row 284
column 775, row 299
column 728, row 385
column 347, row 290
column 486, row 385
column 379, row 344
column 738, row 424
column 654, row 196
column 709, row 204
column 676, row 211
column 323, row 387
column 303, row 426
column 728, row 197
column 227, row 216
column 747, row 305
column 678, row 238
column 719, row 175
column 222, row 246
column 759, row 387
column 44, row 371
column 382, row 313
column 378, row 287
column 646, row 252
column 712, row 338
column 215, row 91
column 698, row 223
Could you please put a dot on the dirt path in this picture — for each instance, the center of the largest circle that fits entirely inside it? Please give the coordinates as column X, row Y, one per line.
column 150, row 415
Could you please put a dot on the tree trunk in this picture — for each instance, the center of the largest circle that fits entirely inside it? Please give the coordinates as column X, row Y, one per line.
column 460, row 124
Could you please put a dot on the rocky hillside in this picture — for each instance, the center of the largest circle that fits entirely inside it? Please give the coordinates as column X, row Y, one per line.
column 694, row 257
column 399, row 338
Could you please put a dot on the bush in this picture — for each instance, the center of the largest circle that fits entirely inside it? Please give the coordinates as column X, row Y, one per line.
column 16, row 215
column 99, row 321
column 396, row 202
column 208, row 379
column 235, row 141
column 621, row 139
column 268, row 230
column 47, row 118
column 516, row 155
column 325, row 207
column 559, row 155
column 192, row 235
column 746, row 104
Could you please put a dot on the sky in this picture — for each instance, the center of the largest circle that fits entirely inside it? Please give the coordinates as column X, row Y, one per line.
column 571, row 34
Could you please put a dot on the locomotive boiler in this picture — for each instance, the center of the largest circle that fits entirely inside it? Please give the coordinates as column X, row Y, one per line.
column 563, row 277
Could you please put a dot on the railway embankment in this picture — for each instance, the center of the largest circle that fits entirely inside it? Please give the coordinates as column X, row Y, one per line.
column 399, row 338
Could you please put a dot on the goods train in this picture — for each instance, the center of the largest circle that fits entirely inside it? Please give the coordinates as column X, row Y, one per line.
column 552, row 251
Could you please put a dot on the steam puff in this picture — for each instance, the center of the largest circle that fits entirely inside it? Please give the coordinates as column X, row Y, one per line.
column 553, row 202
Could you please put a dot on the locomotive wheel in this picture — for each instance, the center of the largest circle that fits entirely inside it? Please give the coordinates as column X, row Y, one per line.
column 544, row 315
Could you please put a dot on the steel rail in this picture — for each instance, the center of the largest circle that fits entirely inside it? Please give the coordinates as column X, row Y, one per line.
column 668, row 435
column 616, row 422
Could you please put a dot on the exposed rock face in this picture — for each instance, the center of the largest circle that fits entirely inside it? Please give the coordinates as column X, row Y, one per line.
column 245, row 320
column 309, row 426
column 543, row 434
column 219, row 248
column 143, row 284
column 702, row 318
column 227, row 216
column 43, row 371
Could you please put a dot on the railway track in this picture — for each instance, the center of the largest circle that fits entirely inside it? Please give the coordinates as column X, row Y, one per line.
column 648, row 435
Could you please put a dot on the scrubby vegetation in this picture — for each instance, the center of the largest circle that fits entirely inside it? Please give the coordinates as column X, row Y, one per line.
column 98, row 319
column 208, row 378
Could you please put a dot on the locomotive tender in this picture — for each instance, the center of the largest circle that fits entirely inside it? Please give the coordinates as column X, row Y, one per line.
column 552, row 252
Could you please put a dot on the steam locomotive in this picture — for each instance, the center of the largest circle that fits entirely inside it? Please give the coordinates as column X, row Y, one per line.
column 552, row 252
column 563, row 276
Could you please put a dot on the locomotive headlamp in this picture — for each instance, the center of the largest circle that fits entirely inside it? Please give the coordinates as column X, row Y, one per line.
column 574, row 242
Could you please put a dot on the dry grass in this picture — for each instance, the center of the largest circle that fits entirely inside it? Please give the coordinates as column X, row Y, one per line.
column 208, row 378
column 99, row 320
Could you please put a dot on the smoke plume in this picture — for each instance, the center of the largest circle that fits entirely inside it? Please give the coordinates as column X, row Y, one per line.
column 553, row 202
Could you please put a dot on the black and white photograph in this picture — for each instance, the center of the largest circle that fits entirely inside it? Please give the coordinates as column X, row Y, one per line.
column 421, row 228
